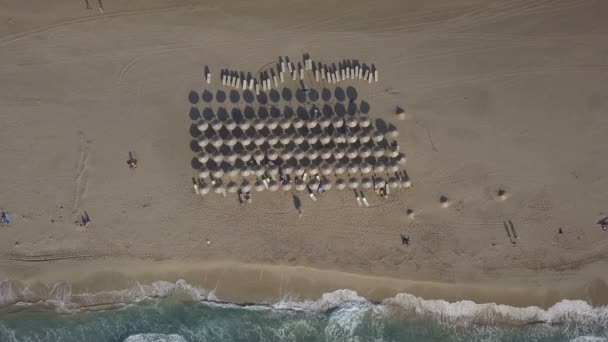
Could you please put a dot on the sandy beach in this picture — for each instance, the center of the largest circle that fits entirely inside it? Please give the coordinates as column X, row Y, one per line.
column 499, row 95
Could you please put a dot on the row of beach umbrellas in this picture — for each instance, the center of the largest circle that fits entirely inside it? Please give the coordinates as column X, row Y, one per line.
column 298, row 154
column 284, row 139
column 300, row 185
column 325, row 169
column 362, row 121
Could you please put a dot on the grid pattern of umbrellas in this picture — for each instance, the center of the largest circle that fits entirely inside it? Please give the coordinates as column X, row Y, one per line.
column 318, row 152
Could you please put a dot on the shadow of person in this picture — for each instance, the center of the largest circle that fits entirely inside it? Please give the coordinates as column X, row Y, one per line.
column 296, row 202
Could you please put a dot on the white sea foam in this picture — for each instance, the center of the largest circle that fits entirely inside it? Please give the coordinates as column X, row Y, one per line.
column 155, row 338
column 341, row 303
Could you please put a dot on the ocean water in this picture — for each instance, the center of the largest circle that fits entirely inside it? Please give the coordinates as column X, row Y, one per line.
column 178, row 312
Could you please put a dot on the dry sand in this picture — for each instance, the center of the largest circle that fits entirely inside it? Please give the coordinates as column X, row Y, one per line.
column 499, row 94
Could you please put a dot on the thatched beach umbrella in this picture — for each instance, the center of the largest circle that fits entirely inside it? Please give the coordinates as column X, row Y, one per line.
column 285, row 123
column 352, row 168
column 350, row 122
column 202, row 125
column 326, row 169
column 379, row 166
column 230, row 124
column 338, row 138
column 364, row 121
column 273, row 140
column 245, row 186
column 379, row 182
column 232, row 187
column 366, row 183
column 273, row 169
column 202, row 140
column 286, row 186
column 216, row 141
column 298, row 138
column 337, row 122
column 401, row 158
column 286, row 154
column 273, row 185
column 259, row 186
column 364, row 137
column 393, row 182
column 298, row 154
column 202, row 157
column 203, row 172
column 353, row 183
column 230, row 156
column 216, row 124
column 245, row 140
column 365, row 168
column 326, row 184
column 392, row 166
column 313, row 170
column 298, row 123
column 203, row 188
column 300, row 185
column 352, row 152
column 258, row 155
column 272, row 154
column 365, row 152
column 244, row 125
column 378, row 151
column 392, row 132
column 287, row 169
column 272, row 123
column 377, row 136
column 311, row 123
column 340, row 184
column 230, row 140
column 339, row 152
column 258, row 124
column 245, row 156
column 217, row 173
column 314, row 184
column 326, row 153
column 259, row 139
column 217, row 156
column 245, row 171
column 324, row 122
column 393, row 152
column 339, row 168
column 312, row 154
column 299, row 170
column 325, row 138
column 351, row 138
column 312, row 138
column 284, row 138
column 258, row 170
column 232, row 171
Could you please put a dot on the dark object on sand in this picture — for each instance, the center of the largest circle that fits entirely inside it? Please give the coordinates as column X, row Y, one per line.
column 132, row 162
column 405, row 240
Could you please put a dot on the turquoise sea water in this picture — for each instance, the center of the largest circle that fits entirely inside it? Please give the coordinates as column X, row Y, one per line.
column 337, row 316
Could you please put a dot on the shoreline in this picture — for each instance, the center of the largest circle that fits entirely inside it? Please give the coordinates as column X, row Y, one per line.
column 242, row 283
